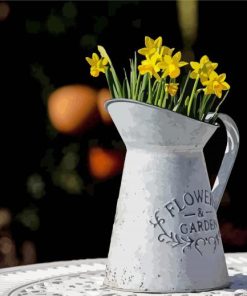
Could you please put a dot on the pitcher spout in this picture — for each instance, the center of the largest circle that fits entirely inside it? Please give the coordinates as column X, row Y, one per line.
column 142, row 124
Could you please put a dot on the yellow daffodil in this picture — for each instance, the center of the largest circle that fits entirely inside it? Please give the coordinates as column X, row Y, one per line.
column 166, row 51
column 203, row 69
column 171, row 65
column 171, row 88
column 151, row 46
column 97, row 64
column 216, row 84
column 150, row 66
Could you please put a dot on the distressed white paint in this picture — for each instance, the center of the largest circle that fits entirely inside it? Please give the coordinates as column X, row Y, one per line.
column 166, row 236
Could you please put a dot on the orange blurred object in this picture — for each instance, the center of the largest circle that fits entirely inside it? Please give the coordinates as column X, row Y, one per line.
column 4, row 11
column 72, row 109
column 104, row 95
column 105, row 163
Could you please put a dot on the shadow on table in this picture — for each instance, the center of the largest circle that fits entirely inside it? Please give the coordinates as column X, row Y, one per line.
column 238, row 282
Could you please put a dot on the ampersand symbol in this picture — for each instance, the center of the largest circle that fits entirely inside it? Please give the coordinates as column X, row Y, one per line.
column 200, row 212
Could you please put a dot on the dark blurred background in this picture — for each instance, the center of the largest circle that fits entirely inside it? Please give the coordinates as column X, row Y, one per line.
column 60, row 181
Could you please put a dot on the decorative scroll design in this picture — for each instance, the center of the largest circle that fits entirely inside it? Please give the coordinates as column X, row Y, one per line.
column 174, row 240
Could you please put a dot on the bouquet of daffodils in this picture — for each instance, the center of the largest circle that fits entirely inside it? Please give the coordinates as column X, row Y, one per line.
column 158, row 80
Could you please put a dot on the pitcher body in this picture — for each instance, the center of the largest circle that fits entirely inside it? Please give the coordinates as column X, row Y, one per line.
column 166, row 235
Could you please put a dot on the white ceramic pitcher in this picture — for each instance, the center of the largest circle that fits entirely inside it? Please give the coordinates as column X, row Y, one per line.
column 166, row 235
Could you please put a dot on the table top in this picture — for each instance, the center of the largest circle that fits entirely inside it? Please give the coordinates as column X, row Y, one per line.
column 85, row 278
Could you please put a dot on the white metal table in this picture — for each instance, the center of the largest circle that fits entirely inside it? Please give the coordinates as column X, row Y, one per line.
column 85, row 278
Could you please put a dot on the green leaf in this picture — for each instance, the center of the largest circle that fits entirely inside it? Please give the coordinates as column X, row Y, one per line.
column 33, row 27
column 88, row 41
column 110, row 82
column 115, row 92
column 55, row 24
column 124, row 90
column 162, row 98
column 142, row 91
column 116, row 82
column 100, row 24
column 192, row 95
column 133, row 76
column 222, row 100
column 137, row 90
column 127, row 85
column 104, row 54
column 184, row 85
column 149, row 100
column 187, row 101
column 69, row 10
column 176, row 107
column 158, row 92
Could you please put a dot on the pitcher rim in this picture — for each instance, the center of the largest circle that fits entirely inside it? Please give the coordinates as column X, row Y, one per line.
column 110, row 101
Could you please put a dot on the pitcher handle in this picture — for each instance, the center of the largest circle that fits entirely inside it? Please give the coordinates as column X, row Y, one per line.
column 228, row 160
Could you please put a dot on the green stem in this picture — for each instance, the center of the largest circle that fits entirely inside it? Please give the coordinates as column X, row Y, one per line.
column 217, row 108
column 149, row 100
column 204, row 105
column 172, row 80
column 127, row 85
column 208, row 108
column 195, row 103
column 144, row 82
column 184, row 87
column 192, row 95
column 137, row 86
column 162, row 98
column 157, row 95
column 155, row 85
column 165, row 99
column 116, row 82
column 110, row 82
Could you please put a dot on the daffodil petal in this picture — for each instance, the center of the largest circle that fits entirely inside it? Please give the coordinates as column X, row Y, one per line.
column 177, row 56
column 194, row 65
column 214, row 65
column 104, row 61
column 226, row 85
column 89, row 60
column 204, row 59
column 148, row 41
column 222, row 77
column 193, row 75
column 95, row 57
column 213, row 75
column 94, row 72
column 162, row 65
column 158, row 42
column 156, row 75
column 181, row 64
column 167, row 59
column 174, row 73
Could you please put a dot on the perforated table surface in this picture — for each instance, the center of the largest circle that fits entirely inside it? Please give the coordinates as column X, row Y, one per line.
column 85, row 278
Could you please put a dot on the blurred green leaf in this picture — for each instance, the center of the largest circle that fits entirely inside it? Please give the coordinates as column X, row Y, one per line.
column 29, row 218
column 88, row 41
column 100, row 24
column 113, row 7
column 33, row 27
column 70, row 181
column 36, row 186
column 69, row 10
column 37, row 72
column 55, row 24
